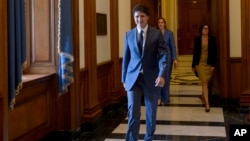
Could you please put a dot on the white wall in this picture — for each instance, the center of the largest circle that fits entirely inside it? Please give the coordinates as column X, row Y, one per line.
column 235, row 28
column 124, row 21
column 103, row 42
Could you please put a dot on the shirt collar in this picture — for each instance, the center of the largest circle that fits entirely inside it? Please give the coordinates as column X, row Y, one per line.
column 144, row 29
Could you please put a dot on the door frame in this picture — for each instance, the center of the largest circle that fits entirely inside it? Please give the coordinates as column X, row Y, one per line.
column 186, row 32
column 220, row 16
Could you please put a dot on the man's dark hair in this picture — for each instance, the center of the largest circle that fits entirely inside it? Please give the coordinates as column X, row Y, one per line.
column 141, row 8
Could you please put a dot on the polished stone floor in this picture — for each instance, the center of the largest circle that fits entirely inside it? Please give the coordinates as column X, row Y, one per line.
column 184, row 119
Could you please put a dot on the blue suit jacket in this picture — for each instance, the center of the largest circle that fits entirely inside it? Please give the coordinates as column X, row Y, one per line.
column 153, row 60
column 169, row 39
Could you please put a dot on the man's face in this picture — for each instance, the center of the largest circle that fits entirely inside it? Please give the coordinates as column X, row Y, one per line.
column 141, row 19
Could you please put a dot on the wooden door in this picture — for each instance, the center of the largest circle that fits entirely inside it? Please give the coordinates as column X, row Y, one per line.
column 191, row 14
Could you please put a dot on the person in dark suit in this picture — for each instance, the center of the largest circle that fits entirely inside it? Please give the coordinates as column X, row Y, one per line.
column 144, row 68
column 169, row 39
column 204, row 60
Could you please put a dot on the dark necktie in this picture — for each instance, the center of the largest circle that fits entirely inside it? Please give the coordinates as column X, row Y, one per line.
column 140, row 42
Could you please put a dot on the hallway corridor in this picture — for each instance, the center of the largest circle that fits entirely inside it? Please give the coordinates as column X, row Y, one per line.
column 184, row 119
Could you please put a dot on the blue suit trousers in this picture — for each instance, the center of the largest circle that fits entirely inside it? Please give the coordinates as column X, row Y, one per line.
column 134, row 110
column 165, row 91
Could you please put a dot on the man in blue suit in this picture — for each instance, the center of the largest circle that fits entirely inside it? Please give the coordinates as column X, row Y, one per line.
column 144, row 68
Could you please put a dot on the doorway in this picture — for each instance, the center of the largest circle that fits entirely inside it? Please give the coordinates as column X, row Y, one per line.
column 215, row 13
column 191, row 14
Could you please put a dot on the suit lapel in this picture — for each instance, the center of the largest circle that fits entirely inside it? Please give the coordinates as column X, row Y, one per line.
column 134, row 37
column 148, row 38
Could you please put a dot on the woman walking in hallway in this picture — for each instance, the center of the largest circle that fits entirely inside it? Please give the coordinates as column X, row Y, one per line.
column 169, row 39
column 204, row 60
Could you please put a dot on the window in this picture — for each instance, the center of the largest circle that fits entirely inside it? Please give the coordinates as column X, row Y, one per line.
column 41, row 37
